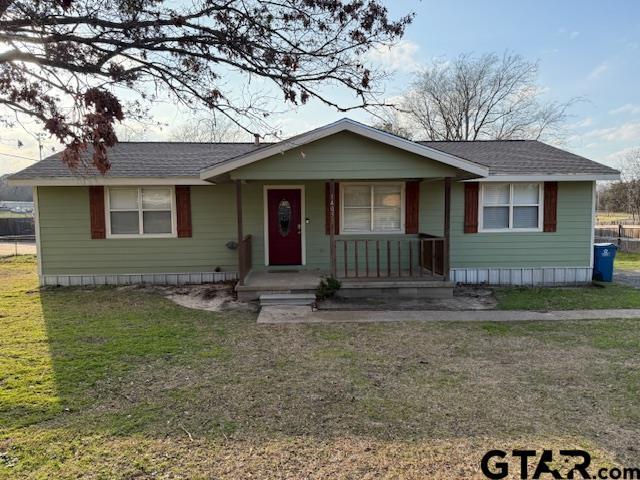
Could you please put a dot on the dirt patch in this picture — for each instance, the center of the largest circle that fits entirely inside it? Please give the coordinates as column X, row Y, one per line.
column 464, row 298
column 211, row 297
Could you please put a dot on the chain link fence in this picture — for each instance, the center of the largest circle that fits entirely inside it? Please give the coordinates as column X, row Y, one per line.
column 11, row 245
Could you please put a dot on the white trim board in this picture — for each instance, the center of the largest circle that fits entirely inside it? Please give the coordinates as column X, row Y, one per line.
column 36, row 217
column 344, row 125
column 105, row 180
column 548, row 178
column 403, row 197
column 511, row 206
column 265, row 220
column 174, row 216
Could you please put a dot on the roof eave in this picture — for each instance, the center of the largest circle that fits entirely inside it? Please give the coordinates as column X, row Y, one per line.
column 341, row 126
column 565, row 177
column 103, row 180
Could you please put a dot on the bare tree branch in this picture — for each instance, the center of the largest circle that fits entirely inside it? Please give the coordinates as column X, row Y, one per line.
column 68, row 60
column 486, row 97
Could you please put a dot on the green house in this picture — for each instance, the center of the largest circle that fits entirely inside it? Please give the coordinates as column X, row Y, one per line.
column 345, row 200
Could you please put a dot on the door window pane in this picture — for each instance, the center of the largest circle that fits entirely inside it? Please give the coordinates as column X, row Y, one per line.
column 124, row 223
column 284, row 217
column 526, row 194
column 525, row 217
column 496, row 194
column 496, row 217
column 123, row 198
column 156, row 198
column 156, row 221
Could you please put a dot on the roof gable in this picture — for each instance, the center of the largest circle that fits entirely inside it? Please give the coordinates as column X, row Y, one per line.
column 346, row 156
column 344, row 125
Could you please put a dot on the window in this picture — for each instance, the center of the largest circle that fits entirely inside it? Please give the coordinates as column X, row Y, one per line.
column 511, row 206
column 372, row 207
column 135, row 211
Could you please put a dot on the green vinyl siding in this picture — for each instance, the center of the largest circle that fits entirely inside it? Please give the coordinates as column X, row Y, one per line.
column 343, row 156
column 569, row 246
column 67, row 247
column 432, row 207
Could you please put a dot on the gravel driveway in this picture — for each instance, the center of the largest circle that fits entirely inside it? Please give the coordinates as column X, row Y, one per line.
column 628, row 277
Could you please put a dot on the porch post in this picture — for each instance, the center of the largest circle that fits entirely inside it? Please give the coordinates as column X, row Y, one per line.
column 447, row 226
column 241, row 253
column 332, row 227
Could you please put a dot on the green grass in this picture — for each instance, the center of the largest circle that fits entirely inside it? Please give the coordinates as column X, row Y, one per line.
column 627, row 261
column 7, row 214
column 589, row 297
column 122, row 383
column 609, row 218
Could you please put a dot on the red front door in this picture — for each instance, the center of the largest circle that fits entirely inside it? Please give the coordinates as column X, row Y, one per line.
column 285, row 226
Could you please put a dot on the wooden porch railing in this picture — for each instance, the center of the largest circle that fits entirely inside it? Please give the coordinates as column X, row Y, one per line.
column 244, row 258
column 393, row 258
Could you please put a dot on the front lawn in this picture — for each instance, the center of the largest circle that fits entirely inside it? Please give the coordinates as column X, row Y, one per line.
column 570, row 298
column 121, row 383
column 627, row 261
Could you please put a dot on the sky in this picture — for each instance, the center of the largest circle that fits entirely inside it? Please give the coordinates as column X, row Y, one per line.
column 587, row 48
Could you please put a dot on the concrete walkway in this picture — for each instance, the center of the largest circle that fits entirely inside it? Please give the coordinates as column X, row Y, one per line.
column 294, row 314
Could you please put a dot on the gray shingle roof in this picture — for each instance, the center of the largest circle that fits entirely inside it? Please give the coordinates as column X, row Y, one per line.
column 146, row 159
column 521, row 157
column 171, row 159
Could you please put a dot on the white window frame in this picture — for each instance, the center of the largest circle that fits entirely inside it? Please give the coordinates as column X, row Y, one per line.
column 107, row 212
column 343, row 186
column 511, row 228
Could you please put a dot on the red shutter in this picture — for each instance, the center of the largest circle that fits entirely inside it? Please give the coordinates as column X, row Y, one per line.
column 327, row 221
column 550, row 206
column 97, row 213
column 412, row 206
column 471, row 207
column 183, row 210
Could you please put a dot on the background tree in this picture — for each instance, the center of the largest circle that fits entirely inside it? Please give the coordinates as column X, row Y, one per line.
column 208, row 129
column 68, row 62
column 624, row 196
column 485, row 97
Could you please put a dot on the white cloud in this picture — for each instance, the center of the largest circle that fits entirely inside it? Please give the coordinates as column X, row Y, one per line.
column 585, row 122
column 620, row 154
column 626, row 132
column 629, row 108
column 400, row 56
column 599, row 70
column 572, row 34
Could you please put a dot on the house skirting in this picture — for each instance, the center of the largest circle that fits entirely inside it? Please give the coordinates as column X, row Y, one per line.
column 138, row 278
column 531, row 276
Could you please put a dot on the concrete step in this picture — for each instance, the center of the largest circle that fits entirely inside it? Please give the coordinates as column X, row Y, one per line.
column 287, row 299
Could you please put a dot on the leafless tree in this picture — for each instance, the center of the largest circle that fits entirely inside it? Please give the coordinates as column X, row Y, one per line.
column 389, row 119
column 485, row 97
column 630, row 182
column 70, row 63
column 208, row 129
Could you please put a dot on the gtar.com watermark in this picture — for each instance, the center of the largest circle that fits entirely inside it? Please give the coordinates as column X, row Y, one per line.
column 534, row 464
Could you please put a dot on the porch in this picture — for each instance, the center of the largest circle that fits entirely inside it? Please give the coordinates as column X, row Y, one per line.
column 405, row 264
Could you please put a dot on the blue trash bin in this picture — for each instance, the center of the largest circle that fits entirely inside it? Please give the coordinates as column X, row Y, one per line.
column 603, row 256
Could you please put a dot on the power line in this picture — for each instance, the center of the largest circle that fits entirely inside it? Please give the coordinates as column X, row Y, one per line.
column 18, row 156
